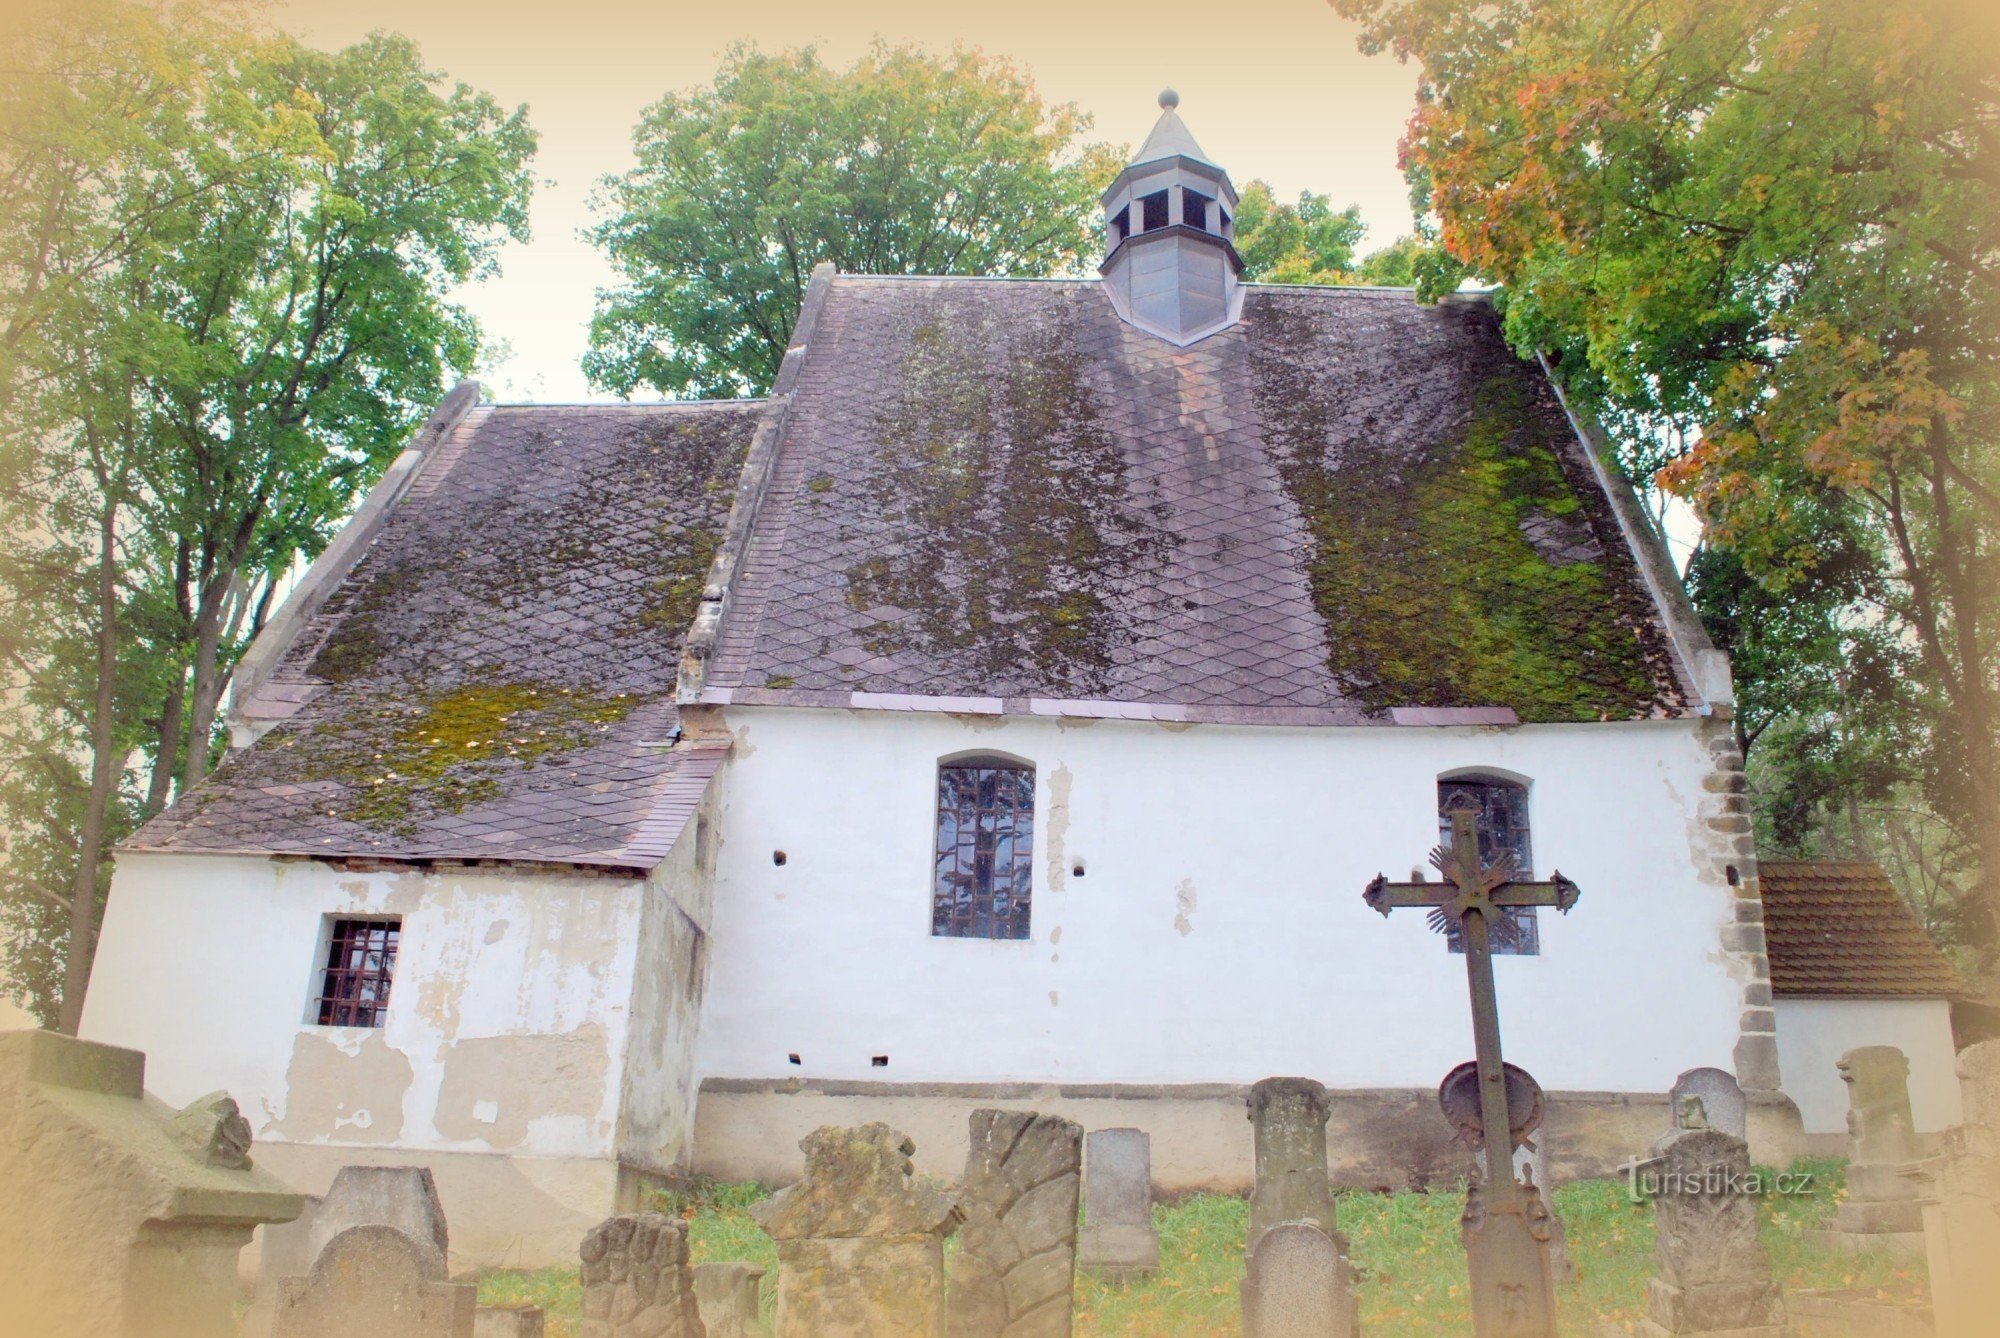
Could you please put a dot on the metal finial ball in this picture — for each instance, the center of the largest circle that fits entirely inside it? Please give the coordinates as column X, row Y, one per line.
column 1169, row 99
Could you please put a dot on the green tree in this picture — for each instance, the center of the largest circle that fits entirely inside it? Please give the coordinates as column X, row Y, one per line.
column 1307, row 242
column 1762, row 239
column 253, row 315
column 908, row 163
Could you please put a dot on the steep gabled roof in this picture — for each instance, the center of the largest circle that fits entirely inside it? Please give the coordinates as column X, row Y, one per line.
column 1349, row 508
column 493, row 679
column 1839, row 928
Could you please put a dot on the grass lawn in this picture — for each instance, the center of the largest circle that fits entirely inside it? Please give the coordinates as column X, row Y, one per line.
column 1410, row 1269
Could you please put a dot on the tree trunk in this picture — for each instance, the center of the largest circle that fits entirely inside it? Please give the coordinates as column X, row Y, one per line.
column 167, row 751
column 207, row 681
column 84, row 910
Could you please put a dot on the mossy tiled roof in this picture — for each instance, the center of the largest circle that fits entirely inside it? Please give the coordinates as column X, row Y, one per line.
column 1348, row 508
column 494, row 678
column 1839, row 928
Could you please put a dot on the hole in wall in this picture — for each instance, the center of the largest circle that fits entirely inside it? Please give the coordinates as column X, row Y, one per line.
column 792, row 1058
column 777, row 857
column 880, row 1061
column 1076, row 870
column 1730, row 872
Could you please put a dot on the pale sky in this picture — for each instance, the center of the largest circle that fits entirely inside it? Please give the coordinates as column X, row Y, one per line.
column 1271, row 88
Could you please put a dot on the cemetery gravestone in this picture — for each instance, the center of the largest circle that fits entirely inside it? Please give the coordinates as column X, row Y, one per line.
column 1119, row 1241
column 727, row 1294
column 1723, row 1104
column 403, row 1197
column 860, row 1241
column 123, row 1217
column 1962, row 1208
column 1881, row 1210
column 375, row 1281
column 1296, row 1284
column 1712, row 1275
column 636, row 1280
column 1288, row 1138
column 1016, row 1261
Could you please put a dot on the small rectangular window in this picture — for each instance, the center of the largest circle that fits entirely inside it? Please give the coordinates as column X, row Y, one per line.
column 1194, row 208
column 984, row 870
column 1153, row 211
column 1502, row 825
column 360, row 960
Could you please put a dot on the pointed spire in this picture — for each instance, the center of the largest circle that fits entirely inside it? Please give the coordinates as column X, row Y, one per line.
column 1170, row 137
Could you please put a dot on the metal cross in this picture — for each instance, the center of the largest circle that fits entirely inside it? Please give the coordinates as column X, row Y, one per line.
column 1474, row 897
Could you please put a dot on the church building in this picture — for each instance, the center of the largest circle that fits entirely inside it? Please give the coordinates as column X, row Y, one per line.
column 1009, row 709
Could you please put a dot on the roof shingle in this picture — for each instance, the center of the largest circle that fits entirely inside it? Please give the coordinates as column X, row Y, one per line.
column 1841, row 928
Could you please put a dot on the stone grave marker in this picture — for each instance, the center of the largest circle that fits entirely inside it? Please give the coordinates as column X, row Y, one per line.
column 1711, row 1275
column 1119, row 1240
column 1296, row 1284
column 123, row 1217
column 636, row 1279
column 1723, row 1104
column 375, row 1281
column 1882, row 1209
column 727, row 1294
column 860, row 1240
column 508, row 1321
column 1962, row 1204
column 403, row 1197
column 1288, row 1141
column 1016, row 1263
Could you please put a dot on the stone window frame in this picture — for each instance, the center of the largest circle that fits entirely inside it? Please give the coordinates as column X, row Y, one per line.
column 333, row 1006
column 1487, row 784
column 986, row 900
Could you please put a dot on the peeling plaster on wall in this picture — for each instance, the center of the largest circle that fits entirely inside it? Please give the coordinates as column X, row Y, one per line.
column 521, row 1079
column 1058, row 824
column 743, row 747
column 344, row 1088
column 1184, row 907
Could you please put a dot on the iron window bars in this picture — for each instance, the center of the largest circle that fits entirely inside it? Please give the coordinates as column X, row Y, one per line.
column 984, row 868
column 1502, row 824
column 360, row 959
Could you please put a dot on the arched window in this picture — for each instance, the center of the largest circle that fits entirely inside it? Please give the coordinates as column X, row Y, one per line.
column 983, row 875
column 1502, row 824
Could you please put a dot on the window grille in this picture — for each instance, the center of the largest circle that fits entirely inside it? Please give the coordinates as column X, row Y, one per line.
column 984, row 868
column 360, row 959
column 1502, row 825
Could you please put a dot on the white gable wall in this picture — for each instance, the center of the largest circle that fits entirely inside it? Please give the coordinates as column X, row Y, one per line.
column 1814, row 1033
column 1218, row 935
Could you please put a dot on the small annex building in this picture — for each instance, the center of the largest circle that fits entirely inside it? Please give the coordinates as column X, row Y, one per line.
column 1851, row 966
column 1009, row 709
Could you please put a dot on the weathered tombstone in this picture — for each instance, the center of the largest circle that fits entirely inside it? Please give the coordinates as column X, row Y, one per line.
column 1711, row 1272
column 1723, row 1104
column 726, row 1293
column 1016, row 1259
column 508, row 1321
column 1962, row 1204
column 1882, row 1209
column 123, row 1218
column 860, row 1241
column 636, row 1280
column 402, row 1197
column 374, row 1281
column 1506, row 1227
column 1119, row 1241
column 1296, row 1284
column 1288, row 1140
column 283, row 1251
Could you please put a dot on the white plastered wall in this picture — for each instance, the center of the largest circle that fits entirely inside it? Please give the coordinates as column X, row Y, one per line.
column 1218, row 934
column 1814, row 1033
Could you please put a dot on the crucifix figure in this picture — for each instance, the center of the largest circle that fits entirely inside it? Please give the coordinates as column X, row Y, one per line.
column 1513, row 1291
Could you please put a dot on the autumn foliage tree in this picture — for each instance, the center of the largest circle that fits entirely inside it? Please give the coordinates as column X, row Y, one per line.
column 1762, row 239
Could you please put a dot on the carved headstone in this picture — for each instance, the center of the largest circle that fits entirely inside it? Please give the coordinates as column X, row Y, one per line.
column 1962, row 1206
column 1723, row 1105
column 375, row 1281
column 1711, row 1272
column 403, row 1197
column 114, row 1222
column 727, row 1293
column 214, row 1131
column 1016, row 1260
column 1288, row 1135
column 1881, row 1211
column 1296, row 1284
column 860, row 1241
column 636, row 1280
column 1119, row 1240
